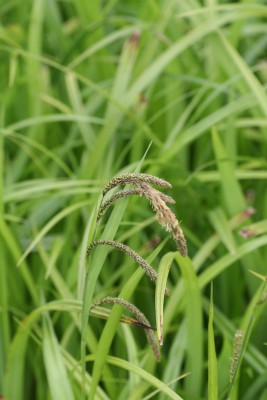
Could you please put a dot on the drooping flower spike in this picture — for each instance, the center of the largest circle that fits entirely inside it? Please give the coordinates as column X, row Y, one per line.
column 158, row 200
column 165, row 217
column 139, row 316
column 127, row 193
column 127, row 250
column 134, row 178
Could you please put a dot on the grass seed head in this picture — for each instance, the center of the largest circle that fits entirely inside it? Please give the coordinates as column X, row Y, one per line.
column 165, row 217
column 128, row 193
column 153, row 276
column 139, row 316
column 158, row 200
column 133, row 179
column 237, row 346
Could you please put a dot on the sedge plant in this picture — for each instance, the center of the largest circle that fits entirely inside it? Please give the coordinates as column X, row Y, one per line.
column 143, row 187
column 85, row 87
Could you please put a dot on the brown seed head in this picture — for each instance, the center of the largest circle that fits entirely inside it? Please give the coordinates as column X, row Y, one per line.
column 153, row 276
column 139, row 316
column 133, row 179
column 165, row 217
column 127, row 193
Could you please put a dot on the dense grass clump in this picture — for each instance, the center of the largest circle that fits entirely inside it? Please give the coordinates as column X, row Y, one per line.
column 99, row 94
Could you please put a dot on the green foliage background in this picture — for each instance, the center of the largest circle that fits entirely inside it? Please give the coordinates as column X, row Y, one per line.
column 87, row 89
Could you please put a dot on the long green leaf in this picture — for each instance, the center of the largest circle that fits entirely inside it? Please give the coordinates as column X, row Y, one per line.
column 62, row 214
column 222, row 227
column 151, row 379
column 161, row 284
column 231, row 189
column 252, row 81
column 193, row 315
column 212, row 359
column 58, row 380
column 216, row 268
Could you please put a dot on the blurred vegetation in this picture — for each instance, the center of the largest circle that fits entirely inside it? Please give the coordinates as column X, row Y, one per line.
column 93, row 89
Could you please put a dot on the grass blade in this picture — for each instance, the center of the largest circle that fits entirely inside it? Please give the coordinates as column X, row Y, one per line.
column 87, row 238
column 58, row 379
column 193, row 315
column 62, row 214
column 212, row 359
column 231, row 189
column 216, row 268
column 164, row 268
column 151, row 379
column 252, row 81
column 15, row 252
column 222, row 227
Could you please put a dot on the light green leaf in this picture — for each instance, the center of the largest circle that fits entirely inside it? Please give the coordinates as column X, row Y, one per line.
column 164, row 268
column 222, row 227
column 231, row 189
column 62, row 214
column 212, row 359
column 58, row 380
column 151, row 379
column 216, row 268
column 193, row 316
column 251, row 79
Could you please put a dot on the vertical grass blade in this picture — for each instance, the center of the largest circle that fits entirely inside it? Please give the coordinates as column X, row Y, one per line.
column 231, row 189
column 86, row 130
column 232, row 193
column 87, row 239
column 14, row 250
column 212, row 358
column 4, row 288
column 164, row 268
column 15, row 366
column 251, row 80
column 222, row 227
column 35, row 47
column 114, row 111
column 4, row 317
column 58, row 379
column 193, row 317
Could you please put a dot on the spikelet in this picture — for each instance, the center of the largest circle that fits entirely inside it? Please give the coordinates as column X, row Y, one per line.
column 139, row 316
column 237, row 346
column 153, row 276
column 158, row 200
column 165, row 217
column 134, row 178
column 127, row 193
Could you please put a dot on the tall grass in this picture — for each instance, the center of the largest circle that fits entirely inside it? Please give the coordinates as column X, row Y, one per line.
column 91, row 90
